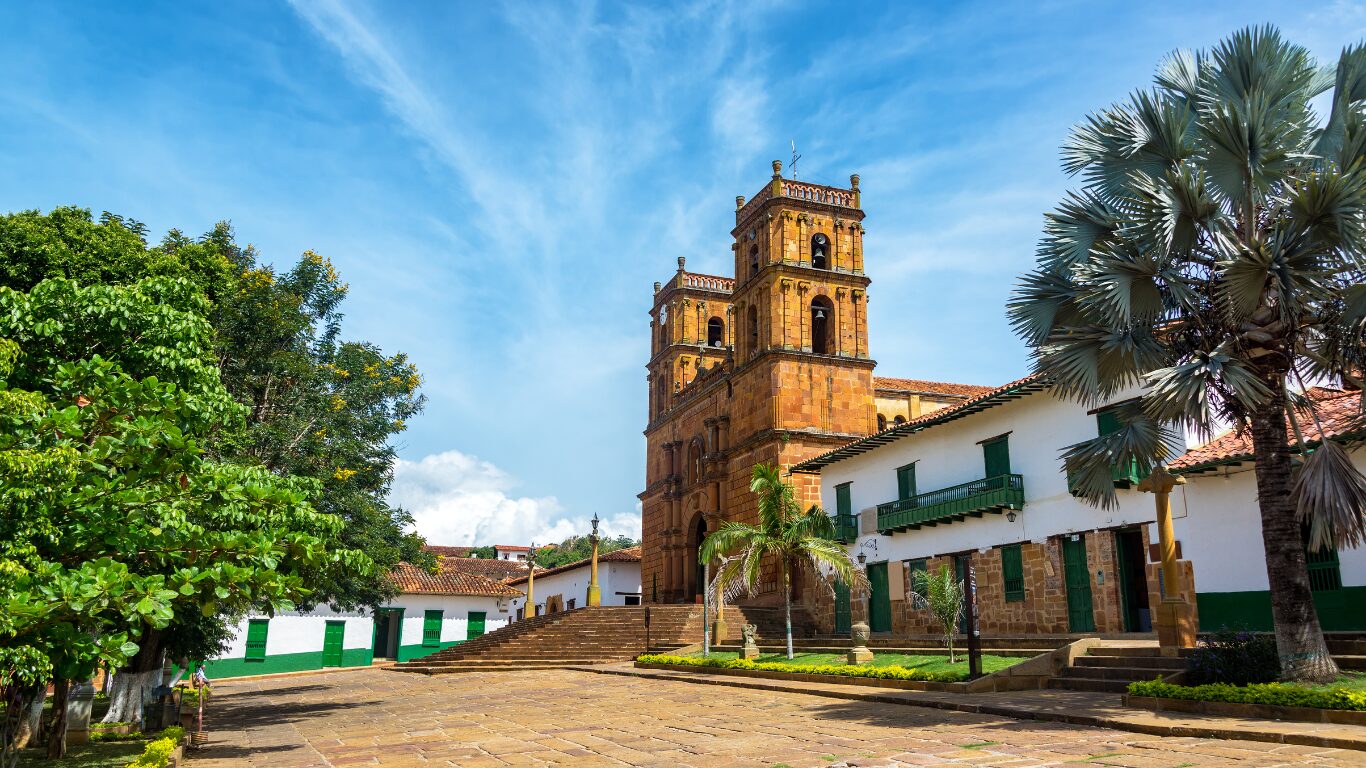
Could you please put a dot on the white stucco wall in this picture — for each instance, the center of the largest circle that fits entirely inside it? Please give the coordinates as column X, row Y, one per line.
column 614, row 578
column 455, row 614
column 1221, row 532
column 296, row 632
column 1040, row 426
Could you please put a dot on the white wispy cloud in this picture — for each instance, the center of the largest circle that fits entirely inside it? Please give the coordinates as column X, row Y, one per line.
column 460, row 500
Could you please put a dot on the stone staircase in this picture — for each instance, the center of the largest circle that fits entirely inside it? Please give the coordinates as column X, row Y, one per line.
column 594, row 635
column 1348, row 649
column 1110, row 668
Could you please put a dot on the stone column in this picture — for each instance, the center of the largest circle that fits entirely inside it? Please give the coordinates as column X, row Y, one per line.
column 1175, row 623
column 78, row 705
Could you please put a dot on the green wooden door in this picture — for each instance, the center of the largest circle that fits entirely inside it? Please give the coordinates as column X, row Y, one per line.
column 1077, row 576
column 333, row 636
column 475, row 625
column 257, row 629
column 879, row 599
column 843, row 623
column 996, row 456
column 431, row 629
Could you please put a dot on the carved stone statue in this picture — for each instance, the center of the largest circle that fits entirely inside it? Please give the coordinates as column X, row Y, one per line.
column 860, row 654
column 750, row 649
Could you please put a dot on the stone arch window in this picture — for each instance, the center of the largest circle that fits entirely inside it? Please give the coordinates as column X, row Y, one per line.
column 753, row 260
column 753, row 330
column 881, row 422
column 695, row 460
column 822, row 326
column 899, row 420
column 820, row 251
column 716, row 332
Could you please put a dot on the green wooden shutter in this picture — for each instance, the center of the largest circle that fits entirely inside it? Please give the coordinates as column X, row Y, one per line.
column 1107, row 422
column 905, row 482
column 431, row 629
column 996, row 454
column 1124, row 475
column 843, row 505
column 257, row 629
column 474, row 626
column 1012, row 572
column 1325, row 572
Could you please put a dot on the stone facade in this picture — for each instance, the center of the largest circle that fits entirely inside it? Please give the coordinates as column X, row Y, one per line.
column 771, row 366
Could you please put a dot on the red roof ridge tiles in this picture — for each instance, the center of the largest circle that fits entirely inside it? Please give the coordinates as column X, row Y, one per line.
column 929, row 387
column 1339, row 411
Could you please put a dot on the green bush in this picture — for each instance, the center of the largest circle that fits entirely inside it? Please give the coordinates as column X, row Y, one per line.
column 1236, row 657
column 834, row 670
column 1277, row 694
column 157, row 753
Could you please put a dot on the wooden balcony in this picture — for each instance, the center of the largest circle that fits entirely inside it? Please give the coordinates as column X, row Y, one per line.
column 949, row 505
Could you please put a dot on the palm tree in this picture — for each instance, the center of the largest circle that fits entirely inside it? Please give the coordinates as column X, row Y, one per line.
column 1214, row 254
column 786, row 534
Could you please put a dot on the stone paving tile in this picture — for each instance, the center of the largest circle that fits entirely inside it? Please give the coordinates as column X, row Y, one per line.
column 571, row 718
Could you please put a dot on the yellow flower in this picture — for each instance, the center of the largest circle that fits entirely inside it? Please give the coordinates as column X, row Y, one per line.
column 344, row 474
column 338, row 403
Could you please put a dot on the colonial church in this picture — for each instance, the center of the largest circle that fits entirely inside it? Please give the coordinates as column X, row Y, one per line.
column 771, row 365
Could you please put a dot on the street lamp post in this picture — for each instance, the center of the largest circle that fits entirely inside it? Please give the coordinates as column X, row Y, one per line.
column 531, row 582
column 594, row 591
column 1175, row 627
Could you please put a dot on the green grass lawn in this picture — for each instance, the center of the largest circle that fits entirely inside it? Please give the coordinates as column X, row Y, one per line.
column 99, row 754
column 926, row 663
column 1352, row 681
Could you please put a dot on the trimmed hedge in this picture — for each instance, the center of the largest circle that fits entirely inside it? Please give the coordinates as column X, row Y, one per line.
column 157, row 753
column 1274, row 694
column 833, row 670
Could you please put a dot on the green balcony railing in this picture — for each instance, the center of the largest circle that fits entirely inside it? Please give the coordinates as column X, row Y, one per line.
column 947, row 505
column 846, row 527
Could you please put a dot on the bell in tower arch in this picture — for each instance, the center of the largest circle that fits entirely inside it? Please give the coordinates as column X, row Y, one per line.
column 820, row 251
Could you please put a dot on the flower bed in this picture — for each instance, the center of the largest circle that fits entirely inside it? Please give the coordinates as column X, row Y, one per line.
column 828, row 670
column 1272, row 694
column 1275, row 701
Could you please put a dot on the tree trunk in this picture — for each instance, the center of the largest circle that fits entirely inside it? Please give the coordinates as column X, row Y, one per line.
column 787, row 605
column 132, row 682
column 32, row 723
column 1299, row 640
column 56, row 737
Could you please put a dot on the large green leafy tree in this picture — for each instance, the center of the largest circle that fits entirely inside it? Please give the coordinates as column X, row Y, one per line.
column 1214, row 254
column 317, row 407
column 576, row 548
column 114, row 520
column 786, row 535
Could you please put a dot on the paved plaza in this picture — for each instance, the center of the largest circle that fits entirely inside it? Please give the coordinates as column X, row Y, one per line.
column 565, row 717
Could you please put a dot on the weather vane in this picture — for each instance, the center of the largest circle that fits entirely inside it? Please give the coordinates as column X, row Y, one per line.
column 795, row 157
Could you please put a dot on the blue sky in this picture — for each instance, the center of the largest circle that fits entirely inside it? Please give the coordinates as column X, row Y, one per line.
column 500, row 185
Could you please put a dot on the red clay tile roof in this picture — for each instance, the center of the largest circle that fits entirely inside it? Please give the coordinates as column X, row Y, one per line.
column 1014, row 390
column 919, row 386
column 511, row 548
column 412, row 580
column 498, row 570
column 1338, row 410
column 449, row 551
column 628, row 555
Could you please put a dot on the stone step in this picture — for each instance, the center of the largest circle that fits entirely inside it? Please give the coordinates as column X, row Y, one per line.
column 1167, row 663
column 1127, row 674
column 1129, row 651
column 938, row 650
column 1087, row 684
column 1346, row 647
column 1354, row 662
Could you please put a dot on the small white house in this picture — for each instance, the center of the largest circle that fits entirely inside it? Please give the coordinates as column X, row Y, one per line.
column 982, row 482
column 1218, row 525
column 510, row 552
column 565, row 588
column 433, row 611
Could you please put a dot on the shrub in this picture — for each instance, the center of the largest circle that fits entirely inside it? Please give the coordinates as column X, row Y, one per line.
column 1277, row 694
column 835, row 670
column 157, row 753
column 1234, row 657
